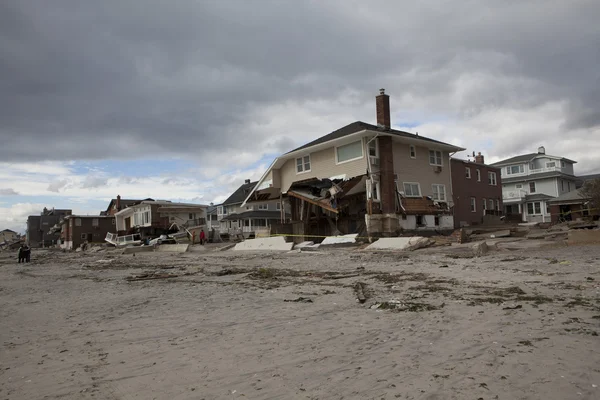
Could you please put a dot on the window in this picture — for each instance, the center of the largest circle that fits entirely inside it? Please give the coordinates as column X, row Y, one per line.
column 468, row 172
column 435, row 157
column 263, row 206
column 550, row 164
column 562, row 164
column 568, row 186
column 420, row 220
column 376, row 191
column 534, row 208
column 484, row 204
column 95, row 222
column 519, row 185
column 84, row 236
column 77, row 221
column 548, row 208
column 303, row 164
column 436, row 220
column 562, row 185
column 478, row 175
column 497, row 205
column 439, row 192
column 491, row 202
column 278, row 206
column 492, row 178
column 147, row 217
column 413, row 151
column 412, row 189
column 531, row 187
column 347, row 152
column 191, row 216
column 514, row 169
column 473, row 205
column 373, row 148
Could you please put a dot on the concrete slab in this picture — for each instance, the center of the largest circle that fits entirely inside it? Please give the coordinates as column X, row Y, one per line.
column 303, row 244
column 345, row 239
column 501, row 234
column 173, row 248
column 137, row 249
column 277, row 243
column 400, row 243
column 583, row 236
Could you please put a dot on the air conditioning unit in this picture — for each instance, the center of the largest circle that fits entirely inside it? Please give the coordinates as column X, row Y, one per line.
column 437, row 168
column 374, row 161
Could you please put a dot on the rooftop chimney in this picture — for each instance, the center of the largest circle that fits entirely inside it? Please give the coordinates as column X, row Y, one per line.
column 382, row 103
column 118, row 202
column 479, row 159
column 247, row 181
column 541, row 150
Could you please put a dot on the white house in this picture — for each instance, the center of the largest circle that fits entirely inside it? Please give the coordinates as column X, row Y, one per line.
column 529, row 181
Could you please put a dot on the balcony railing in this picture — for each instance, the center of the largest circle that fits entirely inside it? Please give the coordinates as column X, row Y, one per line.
column 530, row 172
column 514, row 195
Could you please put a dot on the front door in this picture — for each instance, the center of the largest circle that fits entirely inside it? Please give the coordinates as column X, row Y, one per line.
column 90, row 237
column 127, row 223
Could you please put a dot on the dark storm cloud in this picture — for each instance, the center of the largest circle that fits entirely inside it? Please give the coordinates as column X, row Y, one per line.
column 126, row 79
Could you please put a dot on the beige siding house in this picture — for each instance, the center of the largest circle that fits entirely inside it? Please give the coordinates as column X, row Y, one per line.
column 363, row 178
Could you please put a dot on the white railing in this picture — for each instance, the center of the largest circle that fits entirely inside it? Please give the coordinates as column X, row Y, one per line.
column 529, row 172
column 517, row 194
column 542, row 170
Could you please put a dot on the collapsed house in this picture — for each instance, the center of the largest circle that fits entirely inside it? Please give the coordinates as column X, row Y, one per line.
column 362, row 178
column 148, row 219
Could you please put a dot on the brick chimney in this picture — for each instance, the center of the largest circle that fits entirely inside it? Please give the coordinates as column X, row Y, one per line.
column 247, row 181
column 479, row 159
column 382, row 103
column 118, row 203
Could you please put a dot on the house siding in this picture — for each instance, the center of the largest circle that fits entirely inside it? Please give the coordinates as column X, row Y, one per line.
column 322, row 165
column 419, row 170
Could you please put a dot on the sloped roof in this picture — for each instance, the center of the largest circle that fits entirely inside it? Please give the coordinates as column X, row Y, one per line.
column 361, row 126
column 7, row 230
column 528, row 157
column 124, row 203
column 574, row 196
column 240, row 194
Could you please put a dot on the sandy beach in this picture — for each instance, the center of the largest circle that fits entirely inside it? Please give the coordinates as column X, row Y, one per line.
column 518, row 323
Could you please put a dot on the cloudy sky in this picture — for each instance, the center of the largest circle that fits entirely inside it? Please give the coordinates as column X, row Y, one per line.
column 184, row 99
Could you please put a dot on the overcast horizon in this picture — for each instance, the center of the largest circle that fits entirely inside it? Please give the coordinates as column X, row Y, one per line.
column 184, row 100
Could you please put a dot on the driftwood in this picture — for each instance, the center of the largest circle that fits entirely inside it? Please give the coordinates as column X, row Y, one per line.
column 341, row 276
column 359, row 288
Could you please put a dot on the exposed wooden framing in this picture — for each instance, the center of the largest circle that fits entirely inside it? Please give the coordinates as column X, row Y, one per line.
column 314, row 202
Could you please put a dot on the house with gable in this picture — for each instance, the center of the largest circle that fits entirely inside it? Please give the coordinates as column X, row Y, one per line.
column 363, row 178
column 530, row 181
column 236, row 218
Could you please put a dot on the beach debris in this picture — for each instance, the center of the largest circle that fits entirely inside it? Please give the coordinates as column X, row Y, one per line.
column 149, row 276
column 299, row 300
column 516, row 307
column 359, row 288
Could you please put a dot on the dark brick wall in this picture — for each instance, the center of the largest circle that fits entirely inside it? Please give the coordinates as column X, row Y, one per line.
column 387, row 187
column 463, row 189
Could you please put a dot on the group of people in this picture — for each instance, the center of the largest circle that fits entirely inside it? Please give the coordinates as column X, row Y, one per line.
column 24, row 253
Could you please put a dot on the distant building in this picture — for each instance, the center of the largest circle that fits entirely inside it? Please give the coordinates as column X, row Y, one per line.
column 119, row 204
column 78, row 229
column 529, row 181
column 8, row 236
column 476, row 190
column 39, row 226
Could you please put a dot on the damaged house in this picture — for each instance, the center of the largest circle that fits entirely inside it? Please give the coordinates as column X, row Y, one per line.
column 362, row 178
column 151, row 218
column 249, row 220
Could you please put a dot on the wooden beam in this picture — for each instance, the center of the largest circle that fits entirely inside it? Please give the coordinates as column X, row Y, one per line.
column 311, row 201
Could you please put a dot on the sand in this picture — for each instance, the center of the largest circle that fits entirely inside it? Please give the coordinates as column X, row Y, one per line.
column 514, row 324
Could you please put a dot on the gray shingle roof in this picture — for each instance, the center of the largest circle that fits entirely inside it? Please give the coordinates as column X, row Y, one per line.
column 572, row 196
column 360, row 126
column 240, row 194
column 528, row 157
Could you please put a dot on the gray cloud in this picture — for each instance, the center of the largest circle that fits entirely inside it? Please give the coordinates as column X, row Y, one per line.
column 8, row 192
column 91, row 182
column 128, row 79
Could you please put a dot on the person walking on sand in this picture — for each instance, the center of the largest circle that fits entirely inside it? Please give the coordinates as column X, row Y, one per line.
column 21, row 256
column 26, row 253
column 202, row 237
